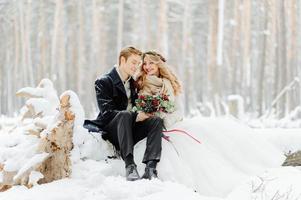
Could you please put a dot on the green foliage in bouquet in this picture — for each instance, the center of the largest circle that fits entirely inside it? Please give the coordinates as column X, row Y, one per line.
column 154, row 104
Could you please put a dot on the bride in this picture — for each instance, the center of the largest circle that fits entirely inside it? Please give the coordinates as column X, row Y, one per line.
column 156, row 78
column 208, row 155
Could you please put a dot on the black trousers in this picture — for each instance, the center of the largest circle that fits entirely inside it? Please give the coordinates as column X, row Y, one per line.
column 124, row 133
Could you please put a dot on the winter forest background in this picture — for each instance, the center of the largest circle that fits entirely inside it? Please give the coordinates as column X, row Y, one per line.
column 237, row 56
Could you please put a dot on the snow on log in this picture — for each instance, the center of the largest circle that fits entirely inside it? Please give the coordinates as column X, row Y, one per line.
column 43, row 100
column 38, row 150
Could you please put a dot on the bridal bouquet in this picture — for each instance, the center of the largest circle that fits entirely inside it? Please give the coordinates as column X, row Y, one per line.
column 154, row 104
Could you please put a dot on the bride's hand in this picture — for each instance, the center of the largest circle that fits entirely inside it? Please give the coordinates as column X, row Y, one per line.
column 150, row 114
column 142, row 116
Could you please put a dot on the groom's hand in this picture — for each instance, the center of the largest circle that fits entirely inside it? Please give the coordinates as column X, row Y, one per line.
column 141, row 116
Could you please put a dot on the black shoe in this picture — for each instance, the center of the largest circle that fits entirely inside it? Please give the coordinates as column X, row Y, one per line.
column 131, row 173
column 150, row 173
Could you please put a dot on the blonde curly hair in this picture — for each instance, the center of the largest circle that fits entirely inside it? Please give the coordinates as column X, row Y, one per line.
column 164, row 71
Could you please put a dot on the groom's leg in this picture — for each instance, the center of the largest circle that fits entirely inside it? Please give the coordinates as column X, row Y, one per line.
column 152, row 129
column 121, row 134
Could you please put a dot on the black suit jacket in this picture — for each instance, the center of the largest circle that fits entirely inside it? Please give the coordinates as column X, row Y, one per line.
column 111, row 99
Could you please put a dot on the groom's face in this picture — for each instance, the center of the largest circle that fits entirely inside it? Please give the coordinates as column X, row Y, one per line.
column 131, row 64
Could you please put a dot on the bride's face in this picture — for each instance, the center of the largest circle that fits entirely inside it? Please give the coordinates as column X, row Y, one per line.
column 150, row 67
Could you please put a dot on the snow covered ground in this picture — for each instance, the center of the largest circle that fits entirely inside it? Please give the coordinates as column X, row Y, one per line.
column 101, row 180
column 284, row 139
column 98, row 178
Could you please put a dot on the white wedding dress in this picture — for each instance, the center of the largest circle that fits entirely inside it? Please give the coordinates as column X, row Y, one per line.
column 228, row 154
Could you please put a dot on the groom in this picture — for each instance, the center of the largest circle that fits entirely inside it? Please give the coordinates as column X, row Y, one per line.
column 116, row 94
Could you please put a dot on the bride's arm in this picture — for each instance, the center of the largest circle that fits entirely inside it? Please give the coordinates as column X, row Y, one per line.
column 177, row 115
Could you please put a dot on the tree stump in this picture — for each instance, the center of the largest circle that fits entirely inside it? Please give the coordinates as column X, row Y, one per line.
column 58, row 144
column 293, row 159
column 53, row 133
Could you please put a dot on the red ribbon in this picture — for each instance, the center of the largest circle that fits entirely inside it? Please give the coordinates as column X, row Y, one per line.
column 180, row 131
